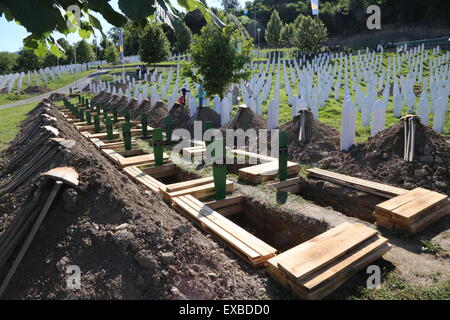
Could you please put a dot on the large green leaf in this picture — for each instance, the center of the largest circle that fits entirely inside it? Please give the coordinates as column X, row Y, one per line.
column 36, row 16
column 103, row 7
column 137, row 9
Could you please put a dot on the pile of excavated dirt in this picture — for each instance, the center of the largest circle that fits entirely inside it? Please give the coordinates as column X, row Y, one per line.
column 204, row 114
column 120, row 104
column 156, row 113
column 142, row 108
column 179, row 116
column 36, row 90
column 132, row 106
column 246, row 119
column 126, row 241
column 320, row 140
column 381, row 159
column 56, row 97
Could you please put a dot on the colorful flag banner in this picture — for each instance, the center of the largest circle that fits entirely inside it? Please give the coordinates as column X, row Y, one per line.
column 315, row 7
column 121, row 45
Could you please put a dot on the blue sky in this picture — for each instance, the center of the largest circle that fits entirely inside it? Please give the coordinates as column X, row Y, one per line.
column 11, row 34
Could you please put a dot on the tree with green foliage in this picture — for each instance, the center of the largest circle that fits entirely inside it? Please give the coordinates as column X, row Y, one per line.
column 84, row 52
column 184, row 38
column 50, row 60
column 230, row 4
column 309, row 33
column 154, row 45
column 111, row 54
column 27, row 61
column 287, row 34
column 219, row 58
column 7, row 62
column 42, row 18
column 273, row 30
column 68, row 51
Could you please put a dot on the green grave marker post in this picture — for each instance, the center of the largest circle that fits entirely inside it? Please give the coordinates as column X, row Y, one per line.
column 88, row 118
column 79, row 98
column 70, row 90
column 219, row 169
column 158, row 148
column 81, row 115
column 105, row 112
column 96, row 124
column 115, row 115
column 282, row 155
column 168, row 127
column 126, row 132
column 109, row 128
column 144, row 124
column 206, row 126
column 126, row 114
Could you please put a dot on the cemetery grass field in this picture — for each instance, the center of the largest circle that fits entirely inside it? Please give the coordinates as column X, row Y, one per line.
column 52, row 85
column 11, row 118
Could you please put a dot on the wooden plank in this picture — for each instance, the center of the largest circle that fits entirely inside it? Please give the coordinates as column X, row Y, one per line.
column 137, row 160
column 202, row 191
column 140, row 177
column 306, row 261
column 161, row 171
column 287, row 183
column 231, row 210
column 357, row 183
column 243, row 235
column 218, row 204
column 419, row 204
column 218, row 231
column 429, row 219
column 188, row 184
column 400, row 200
column 340, row 266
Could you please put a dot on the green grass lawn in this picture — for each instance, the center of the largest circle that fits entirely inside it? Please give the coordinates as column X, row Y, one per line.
column 52, row 85
column 11, row 118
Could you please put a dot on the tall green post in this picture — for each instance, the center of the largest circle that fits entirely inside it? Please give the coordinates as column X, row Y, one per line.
column 115, row 115
column 109, row 128
column 283, row 155
column 88, row 118
column 96, row 124
column 105, row 112
column 206, row 126
column 79, row 99
column 81, row 115
column 219, row 170
column 168, row 126
column 127, row 116
column 144, row 124
column 126, row 132
column 158, row 148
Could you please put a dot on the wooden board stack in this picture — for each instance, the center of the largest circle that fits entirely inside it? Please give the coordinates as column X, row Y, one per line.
column 246, row 245
column 412, row 211
column 317, row 267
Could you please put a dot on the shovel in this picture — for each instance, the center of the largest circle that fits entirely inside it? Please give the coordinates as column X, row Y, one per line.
column 61, row 175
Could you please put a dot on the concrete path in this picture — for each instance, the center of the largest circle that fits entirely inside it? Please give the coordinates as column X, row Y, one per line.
column 83, row 82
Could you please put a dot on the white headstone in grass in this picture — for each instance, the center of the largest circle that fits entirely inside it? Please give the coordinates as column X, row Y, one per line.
column 193, row 105
column 273, row 115
column 422, row 111
column 440, row 109
column 348, row 125
column 252, row 104
column 378, row 117
column 366, row 110
column 258, row 104
column 398, row 105
column 120, row 92
column 315, row 106
column 216, row 104
column 225, row 111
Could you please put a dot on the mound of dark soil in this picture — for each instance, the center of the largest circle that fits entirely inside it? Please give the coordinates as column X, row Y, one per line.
column 246, row 119
column 380, row 158
column 204, row 114
column 179, row 115
column 57, row 97
column 36, row 90
column 126, row 241
column 120, row 104
column 320, row 139
column 156, row 113
column 131, row 107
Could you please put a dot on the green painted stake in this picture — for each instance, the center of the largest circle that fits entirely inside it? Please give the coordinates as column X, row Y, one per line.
column 81, row 116
column 79, row 99
column 105, row 112
column 109, row 128
column 168, row 126
column 219, row 171
column 158, row 148
column 96, row 124
column 126, row 132
column 206, row 126
column 70, row 90
column 127, row 116
column 88, row 118
column 82, row 100
column 99, row 111
column 283, row 155
column 144, row 123
column 115, row 115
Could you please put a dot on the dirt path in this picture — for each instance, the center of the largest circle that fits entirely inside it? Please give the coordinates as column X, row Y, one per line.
column 66, row 89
